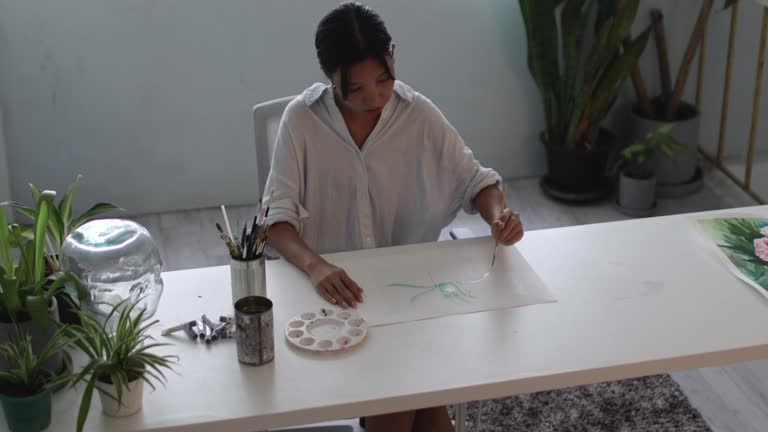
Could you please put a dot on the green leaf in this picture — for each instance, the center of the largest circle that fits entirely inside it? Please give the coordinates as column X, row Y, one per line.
column 65, row 206
column 665, row 129
column 620, row 28
column 37, row 307
column 616, row 75
column 58, row 282
column 86, row 371
column 605, row 10
column 27, row 252
column 573, row 17
column 21, row 208
column 597, row 59
column 593, row 69
column 55, row 344
column 85, row 404
column 541, row 31
column 5, row 245
column 10, row 295
column 728, row 4
column 25, row 233
column 73, row 285
column 93, row 212
column 35, row 192
column 56, row 227
column 41, row 226
column 594, row 102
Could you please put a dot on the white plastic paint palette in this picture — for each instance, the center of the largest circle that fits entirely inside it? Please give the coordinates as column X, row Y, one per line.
column 326, row 330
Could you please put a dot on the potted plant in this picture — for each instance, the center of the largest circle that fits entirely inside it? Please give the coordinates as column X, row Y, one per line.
column 577, row 94
column 27, row 298
column 682, row 176
column 25, row 387
column 637, row 180
column 60, row 223
column 119, row 361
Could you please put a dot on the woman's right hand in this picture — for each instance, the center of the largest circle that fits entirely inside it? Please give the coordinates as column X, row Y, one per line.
column 334, row 285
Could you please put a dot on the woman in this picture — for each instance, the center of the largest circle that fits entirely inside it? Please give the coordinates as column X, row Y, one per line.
column 367, row 162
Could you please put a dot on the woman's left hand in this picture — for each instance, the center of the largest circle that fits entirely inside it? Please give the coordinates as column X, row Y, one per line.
column 508, row 228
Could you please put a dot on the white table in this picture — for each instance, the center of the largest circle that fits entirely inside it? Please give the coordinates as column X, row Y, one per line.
column 635, row 298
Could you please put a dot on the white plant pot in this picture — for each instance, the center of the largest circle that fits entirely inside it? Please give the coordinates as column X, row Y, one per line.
column 133, row 395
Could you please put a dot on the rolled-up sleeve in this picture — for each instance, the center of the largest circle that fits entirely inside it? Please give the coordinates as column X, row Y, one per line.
column 473, row 178
column 283, row 191
column 459, row 163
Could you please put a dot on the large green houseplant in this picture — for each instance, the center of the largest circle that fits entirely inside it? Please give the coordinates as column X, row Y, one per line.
column 25, row 387
column 578, row 84
column 51, row 223
column 27, row 288
column 29, row 284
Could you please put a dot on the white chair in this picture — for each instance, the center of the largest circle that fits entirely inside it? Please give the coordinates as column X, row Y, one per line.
column 266, row 120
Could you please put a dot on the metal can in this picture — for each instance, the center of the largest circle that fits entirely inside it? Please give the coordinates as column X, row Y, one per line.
column 255, row 338
column 248, row 278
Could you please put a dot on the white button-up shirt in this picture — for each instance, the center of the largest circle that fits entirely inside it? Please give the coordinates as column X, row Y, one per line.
column 408, row 181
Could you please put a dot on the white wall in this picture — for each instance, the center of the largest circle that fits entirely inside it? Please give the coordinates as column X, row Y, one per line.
column 5, row 178
column 151, row 100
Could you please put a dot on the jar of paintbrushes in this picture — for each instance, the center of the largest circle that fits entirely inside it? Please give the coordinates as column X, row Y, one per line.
column 247, row 268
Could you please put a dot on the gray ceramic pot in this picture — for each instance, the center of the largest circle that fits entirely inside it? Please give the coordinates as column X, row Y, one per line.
column 637, row 194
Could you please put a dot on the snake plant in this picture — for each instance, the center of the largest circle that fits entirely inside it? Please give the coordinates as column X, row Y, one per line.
column 579, row 82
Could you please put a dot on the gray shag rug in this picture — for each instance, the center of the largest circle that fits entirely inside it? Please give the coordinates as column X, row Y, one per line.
column 649, row 404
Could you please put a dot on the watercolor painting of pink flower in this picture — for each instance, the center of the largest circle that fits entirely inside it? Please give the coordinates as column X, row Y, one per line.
column 761, row 248
column 743, row 242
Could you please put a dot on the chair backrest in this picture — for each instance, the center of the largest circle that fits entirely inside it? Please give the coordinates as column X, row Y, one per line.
column 266, row 120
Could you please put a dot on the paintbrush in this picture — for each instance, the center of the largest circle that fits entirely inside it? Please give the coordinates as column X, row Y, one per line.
column 504, row 206
column 263, row 244
column 228, row 241
column 226, row 221
column 242, row 239
column 261, row 236
column 254, row 233
column 231, row 250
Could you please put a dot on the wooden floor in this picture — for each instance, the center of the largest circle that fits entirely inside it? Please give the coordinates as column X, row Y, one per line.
column 732, row 398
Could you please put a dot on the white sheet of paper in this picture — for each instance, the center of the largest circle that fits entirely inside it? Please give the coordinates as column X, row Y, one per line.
column 511, row 283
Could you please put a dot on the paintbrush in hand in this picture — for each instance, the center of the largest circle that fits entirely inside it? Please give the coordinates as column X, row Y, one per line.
column 503, row 207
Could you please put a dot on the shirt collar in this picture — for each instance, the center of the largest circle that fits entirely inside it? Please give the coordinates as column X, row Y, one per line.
column 312, row 94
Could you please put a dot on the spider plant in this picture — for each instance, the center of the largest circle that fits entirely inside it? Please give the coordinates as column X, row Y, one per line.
column 25, row 375
column 116, row 358
column 25, row 387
